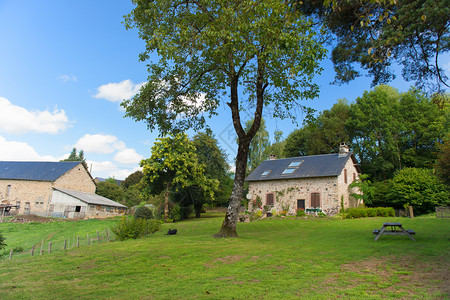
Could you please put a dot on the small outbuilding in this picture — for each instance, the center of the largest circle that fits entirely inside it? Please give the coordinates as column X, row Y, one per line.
column 306, row 182
column 59, row 189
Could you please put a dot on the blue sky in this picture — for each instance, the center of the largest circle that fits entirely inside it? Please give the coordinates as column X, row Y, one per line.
column 65, row 66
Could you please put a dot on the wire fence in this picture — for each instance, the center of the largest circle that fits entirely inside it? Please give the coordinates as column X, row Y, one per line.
column 47, row 247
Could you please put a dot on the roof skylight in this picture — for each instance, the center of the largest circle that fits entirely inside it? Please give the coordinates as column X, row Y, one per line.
column 295, row 164
column 289, row 171
column 292, row 167
column 266, row 172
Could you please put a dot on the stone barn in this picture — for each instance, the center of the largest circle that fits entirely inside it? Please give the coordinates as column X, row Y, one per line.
column 59, row 189
column 307, row 182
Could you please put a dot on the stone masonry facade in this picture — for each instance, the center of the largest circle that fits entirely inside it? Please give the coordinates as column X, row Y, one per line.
column 289, row 193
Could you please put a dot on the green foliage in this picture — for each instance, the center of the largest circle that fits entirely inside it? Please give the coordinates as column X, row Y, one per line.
column 132, row 179
column 443, row 161
column 391, row 130
column 300, row 213
column 420, row 188
column 133, row 228
column 2, row 242
column 143, row 212
column 365, row 190
column 353, row 213
column 321, row 135
column 174, row 164
column 110, row 190
column 378, row 34
column 216, row 167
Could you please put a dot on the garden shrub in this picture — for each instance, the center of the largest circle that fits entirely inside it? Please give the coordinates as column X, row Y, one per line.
column 143, row 212
column 133, row 228
column 420, row 188
column 300, row 212
column 354, row 213
column 2, row 241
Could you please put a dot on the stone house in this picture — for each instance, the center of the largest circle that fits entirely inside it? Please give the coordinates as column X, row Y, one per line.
column 58, row 189
column 318, row 181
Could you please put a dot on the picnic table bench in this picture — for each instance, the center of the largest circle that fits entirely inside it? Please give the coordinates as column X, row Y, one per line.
column 395, row 229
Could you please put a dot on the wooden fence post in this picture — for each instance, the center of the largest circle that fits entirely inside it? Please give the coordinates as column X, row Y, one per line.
column 107, row 235
column 88, row 239
column 50, row 247
column 78, row 241
column 10, row 254
column 98, row 237
column 65, row 244
column 42, row 246
column 32, row 250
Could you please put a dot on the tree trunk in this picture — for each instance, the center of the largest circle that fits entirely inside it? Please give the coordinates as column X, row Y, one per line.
column 229, row 225
column 198, row 209
column 166, row 203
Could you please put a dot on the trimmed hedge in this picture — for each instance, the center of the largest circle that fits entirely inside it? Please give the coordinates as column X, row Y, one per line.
column 353, row 213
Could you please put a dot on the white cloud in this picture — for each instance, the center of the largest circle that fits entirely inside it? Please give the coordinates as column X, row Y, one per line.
column 107, row 169
column 99, row 143
column 128, row 156
column 18, row 120
column 123, row 173
column 67, row 78
column 20, row 151
column 116, row 92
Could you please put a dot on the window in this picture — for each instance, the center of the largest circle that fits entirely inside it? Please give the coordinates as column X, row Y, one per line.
column 345, row 175
column 8, row 190
column 301, row 204
column 288, row 171
column 292, row 167
column 295, row 164
column 269, row 199
column 266, row 172
column 315, row 200
column 77, row 208
column 26, row 210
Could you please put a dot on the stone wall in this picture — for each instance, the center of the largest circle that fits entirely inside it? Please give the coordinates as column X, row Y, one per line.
column 288, row 191
column 352, row 174
column 32, row 196
column 77, row 179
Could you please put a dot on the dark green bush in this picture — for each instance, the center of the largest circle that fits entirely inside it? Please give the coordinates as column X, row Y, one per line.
column 353, row 213
column 2, row 241
column 143, row 212
column 133, row 228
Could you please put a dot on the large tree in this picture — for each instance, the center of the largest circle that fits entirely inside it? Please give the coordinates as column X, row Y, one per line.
column 377, row 34
column 216, row 167
column 174, row 165
column 251, row 53
column 258, row 146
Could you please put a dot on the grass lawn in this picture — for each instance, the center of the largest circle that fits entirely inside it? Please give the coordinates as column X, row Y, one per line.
column 274, row 258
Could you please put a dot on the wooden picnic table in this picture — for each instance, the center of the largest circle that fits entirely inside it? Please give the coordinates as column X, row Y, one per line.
column 395, row 229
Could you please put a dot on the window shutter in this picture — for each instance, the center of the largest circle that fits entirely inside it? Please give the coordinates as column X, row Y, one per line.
column 269, row 199
column 315, row 200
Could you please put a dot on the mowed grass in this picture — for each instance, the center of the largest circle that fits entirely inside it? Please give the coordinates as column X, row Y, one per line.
column 273, row 258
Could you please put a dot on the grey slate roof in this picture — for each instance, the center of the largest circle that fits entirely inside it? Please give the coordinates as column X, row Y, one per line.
column 90, row 198
column 312, row 166
column 35, row 170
